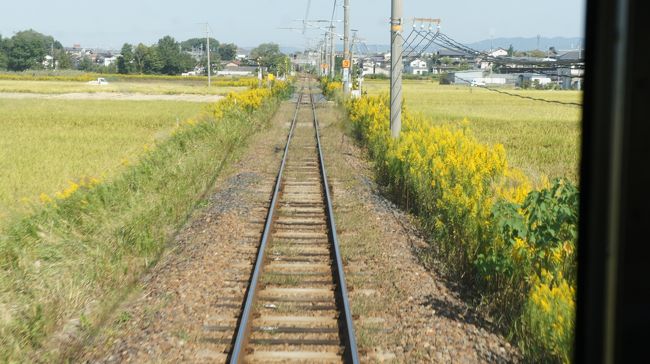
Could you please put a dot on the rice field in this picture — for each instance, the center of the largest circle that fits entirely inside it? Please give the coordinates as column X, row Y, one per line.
column 44, row 144
column 541, row 139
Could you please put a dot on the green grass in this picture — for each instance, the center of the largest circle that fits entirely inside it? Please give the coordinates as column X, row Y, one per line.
column 46, row 143
column 541, row 139
column 73, row 257
column 155, row 87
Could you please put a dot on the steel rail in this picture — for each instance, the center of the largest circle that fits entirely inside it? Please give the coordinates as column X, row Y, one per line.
column 244, row 324
column 351, row 354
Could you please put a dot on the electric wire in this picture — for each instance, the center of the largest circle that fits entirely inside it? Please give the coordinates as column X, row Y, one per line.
column 522, row 96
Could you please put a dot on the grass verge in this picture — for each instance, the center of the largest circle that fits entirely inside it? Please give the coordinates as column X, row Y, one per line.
column 60, row 267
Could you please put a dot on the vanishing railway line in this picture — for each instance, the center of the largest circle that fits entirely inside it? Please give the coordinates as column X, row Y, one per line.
column 295, row 303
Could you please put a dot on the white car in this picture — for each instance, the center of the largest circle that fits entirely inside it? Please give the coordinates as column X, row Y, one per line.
column 476, row 83
column 100, row 81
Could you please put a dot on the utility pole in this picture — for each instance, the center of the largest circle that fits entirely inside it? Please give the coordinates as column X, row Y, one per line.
column 396, row 68
column 326, row 55
column 207, row 40
column 332, row 54
column 323, row 60
column 346, row 49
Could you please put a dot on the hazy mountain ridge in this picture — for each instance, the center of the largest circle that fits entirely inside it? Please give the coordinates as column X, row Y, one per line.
column 526, row 44
column 518, row 43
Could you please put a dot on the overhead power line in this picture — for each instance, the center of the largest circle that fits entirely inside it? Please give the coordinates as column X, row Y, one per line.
column 523, row 96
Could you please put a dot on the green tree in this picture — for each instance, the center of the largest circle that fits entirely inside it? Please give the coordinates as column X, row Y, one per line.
column 86, row 64
column 27, row 49
column 227, row 52
column 268, row 55
column 187, row 62
column 199, row 43
column 152, row 61
column 63, row 59
column 139, row 57
column 125, row 60
column 3, row 54
column 511, row 51
column 173, row 60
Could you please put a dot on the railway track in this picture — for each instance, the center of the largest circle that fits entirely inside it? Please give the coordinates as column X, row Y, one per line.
column 295, row 305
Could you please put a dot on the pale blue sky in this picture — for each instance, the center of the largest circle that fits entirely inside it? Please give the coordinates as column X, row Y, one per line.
column 250, row 22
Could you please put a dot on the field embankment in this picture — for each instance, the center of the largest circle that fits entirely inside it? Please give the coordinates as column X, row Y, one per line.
column 63, row 268
column 488, row 227
column 542, row 139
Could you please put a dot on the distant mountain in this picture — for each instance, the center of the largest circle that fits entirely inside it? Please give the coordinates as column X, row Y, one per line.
column 283, row 49
column 290, row 50
column 528, row 44
column 518, row 43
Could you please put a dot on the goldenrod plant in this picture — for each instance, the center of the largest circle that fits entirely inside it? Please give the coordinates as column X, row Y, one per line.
column 490, row 227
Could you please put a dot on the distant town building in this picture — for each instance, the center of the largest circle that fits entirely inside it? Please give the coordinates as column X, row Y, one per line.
column 417, row 67
column 236, row 70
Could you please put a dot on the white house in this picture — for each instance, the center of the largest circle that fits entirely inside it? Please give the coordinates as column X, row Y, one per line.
column 237, row 71
column 533, row 78
column 374, row 68
column 47, row 61
column 417, row 67
column 110, row 60
column 499, row 52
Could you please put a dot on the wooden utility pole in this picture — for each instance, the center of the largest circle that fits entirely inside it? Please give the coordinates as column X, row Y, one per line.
column 396, row 68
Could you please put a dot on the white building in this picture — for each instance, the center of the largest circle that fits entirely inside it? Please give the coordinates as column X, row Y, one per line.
column 499, row 52
column 237, row 71
column 417, row 67
column 110, row 60
column 374, row 68
column 570, row 78
column 47, row 61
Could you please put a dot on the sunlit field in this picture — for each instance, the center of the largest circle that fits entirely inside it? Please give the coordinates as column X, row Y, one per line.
column 45, row 144
column 156, row 87
column 541, row 139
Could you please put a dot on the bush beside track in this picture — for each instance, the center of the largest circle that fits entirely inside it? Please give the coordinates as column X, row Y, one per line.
column 77, row 256
column 491, row 229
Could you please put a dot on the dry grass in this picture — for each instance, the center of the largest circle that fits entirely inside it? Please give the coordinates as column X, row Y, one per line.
column 158, row 87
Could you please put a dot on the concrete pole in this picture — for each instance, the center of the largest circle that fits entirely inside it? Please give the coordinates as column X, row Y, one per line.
column 207, row 39
column 396, row 68
column 326, row 55
column 332, row 54
column 346, row 47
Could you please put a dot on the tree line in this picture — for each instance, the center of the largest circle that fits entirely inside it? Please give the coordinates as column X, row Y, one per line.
column 29, row 50
column 171, row 57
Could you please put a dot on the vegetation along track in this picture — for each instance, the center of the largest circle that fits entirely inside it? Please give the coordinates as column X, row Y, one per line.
column 295, row 305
